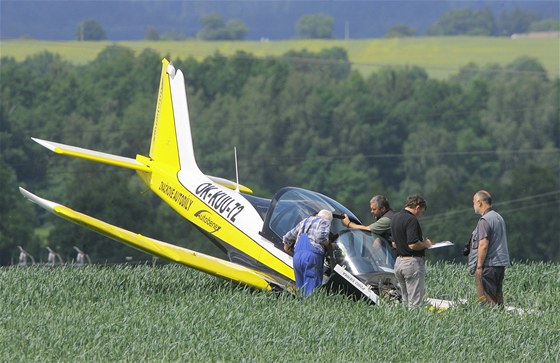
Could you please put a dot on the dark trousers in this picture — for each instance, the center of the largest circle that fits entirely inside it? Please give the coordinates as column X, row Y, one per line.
column 493, row 283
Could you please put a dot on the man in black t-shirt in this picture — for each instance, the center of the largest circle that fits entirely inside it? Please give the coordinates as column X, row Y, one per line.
column 410, row 245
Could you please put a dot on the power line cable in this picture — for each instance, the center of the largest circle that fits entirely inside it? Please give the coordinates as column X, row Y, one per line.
column 368, row 121
column 287, row 162
column 451, row 213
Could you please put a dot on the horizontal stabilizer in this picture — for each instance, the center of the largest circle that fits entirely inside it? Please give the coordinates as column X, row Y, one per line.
column 229, row 184
column 97, row 156
column 205, row 263
column 121, row 161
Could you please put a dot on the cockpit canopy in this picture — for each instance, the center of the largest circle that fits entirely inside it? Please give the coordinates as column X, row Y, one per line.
column 364, row 253
column 361, row 254
column 291, row 205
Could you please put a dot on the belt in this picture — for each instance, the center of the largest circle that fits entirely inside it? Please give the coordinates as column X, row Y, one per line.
column 410, row 256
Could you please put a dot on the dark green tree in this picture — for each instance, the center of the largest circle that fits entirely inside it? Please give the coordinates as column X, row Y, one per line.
column 215, row 28
column 465, row 22
column 151, row 33
column 237, row 29
column 90, row 29
column 318, row 26
column 545, row 25
column 16, row 216
column 516, row 21
column 529, row 202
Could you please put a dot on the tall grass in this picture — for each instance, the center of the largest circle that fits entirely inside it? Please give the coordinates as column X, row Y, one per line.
column 439, row 56
column 171, row 313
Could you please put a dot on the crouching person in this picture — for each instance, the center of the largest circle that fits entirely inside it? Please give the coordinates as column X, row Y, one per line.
column 309, row 240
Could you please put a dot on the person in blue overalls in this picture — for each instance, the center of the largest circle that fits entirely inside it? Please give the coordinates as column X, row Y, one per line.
column 311, row 239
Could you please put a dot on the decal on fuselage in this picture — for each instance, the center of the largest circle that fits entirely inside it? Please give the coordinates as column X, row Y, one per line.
column 181, row 199
column 204, row 216
column 219, row 200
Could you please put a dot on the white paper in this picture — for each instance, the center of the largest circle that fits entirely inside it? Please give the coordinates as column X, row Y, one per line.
column 441, row 244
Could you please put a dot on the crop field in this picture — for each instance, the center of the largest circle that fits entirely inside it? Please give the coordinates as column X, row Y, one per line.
column 439, row 56
column 173, row 314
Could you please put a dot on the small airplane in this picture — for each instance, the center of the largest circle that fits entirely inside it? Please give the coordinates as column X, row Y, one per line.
column 247, row 228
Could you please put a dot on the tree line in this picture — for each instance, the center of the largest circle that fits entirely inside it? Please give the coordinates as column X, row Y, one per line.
column 313, row 123
column 463, row 21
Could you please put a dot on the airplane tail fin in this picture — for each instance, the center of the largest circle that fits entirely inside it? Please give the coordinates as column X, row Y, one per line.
column 172, row 145
column 171, row 149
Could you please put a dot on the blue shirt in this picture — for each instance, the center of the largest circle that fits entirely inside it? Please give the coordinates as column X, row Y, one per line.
column 316, row 227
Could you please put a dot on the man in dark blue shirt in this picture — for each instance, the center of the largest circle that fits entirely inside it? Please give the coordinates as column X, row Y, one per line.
column 410, row 245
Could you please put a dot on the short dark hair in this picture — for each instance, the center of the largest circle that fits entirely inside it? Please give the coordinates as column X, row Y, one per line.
column 380, row 201
column 416, row 200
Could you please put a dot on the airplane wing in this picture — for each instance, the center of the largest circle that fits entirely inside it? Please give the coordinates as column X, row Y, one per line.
column 205, row 263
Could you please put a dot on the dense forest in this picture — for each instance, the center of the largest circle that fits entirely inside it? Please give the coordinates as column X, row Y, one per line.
column 313, row 123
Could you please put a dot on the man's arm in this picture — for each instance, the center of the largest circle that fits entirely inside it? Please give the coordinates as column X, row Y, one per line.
column 348, row 224
column 358, row 226
column 322, row 233
column 482, row 251
column 420, row 245
column 290, row 238
column 380, row 226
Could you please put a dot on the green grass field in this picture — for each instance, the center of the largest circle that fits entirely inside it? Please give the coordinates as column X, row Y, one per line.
column 173, row 314
column 440, row 56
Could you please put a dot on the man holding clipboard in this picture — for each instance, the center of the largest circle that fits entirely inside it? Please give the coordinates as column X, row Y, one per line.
column 410, row 245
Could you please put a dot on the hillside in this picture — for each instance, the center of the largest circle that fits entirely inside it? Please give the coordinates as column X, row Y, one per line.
column 440, row 56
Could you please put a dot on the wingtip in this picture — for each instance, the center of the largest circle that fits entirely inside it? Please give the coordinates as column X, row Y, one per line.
column 44, row 143
column 24, row 192
column 43, row 203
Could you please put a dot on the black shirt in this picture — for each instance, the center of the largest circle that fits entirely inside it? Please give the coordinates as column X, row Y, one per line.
column 405, row 229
